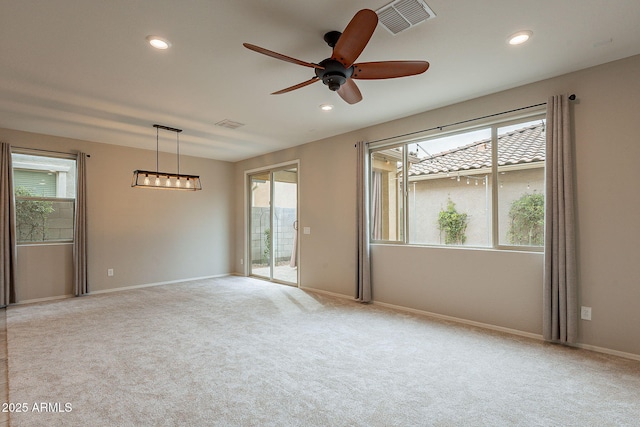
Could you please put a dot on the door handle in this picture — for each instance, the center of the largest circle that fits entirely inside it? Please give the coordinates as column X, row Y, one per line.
column 295, row 225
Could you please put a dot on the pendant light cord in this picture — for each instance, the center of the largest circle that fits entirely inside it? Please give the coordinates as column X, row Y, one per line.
column 177, row 131
column 157, row 148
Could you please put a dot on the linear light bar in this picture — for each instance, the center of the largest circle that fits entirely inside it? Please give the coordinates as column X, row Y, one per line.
column 166, row 180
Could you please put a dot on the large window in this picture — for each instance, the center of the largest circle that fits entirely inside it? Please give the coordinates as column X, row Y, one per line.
column 478, row 188
column 45, row 191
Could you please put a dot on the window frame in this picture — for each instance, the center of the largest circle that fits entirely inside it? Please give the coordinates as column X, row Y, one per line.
column 57, row 170
column 493, row 126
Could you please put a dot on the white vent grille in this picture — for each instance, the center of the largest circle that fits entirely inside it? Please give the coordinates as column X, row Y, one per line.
column 401, row 15
column 226, row 123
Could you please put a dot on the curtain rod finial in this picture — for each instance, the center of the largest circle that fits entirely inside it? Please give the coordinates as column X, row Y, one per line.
column 572, row 97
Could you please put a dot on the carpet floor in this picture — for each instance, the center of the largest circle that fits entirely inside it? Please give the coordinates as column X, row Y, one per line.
column 236, row 351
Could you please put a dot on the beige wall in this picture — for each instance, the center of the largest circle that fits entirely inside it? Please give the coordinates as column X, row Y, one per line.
column 146, row 236
column 44, row 271
column 325, row 180
column 500, row 288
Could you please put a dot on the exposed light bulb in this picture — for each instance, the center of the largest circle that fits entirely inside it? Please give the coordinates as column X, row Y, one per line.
column 157, row 181
column 178, row 182
column 168, row 183
column 146, row 180
column 188, row 184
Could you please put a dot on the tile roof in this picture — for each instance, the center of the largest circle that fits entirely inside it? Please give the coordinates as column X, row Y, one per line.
column 525, row 145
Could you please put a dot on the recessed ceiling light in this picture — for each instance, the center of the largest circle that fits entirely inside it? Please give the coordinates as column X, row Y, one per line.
column 326, row 107
column 519, row 37
column 158, row 42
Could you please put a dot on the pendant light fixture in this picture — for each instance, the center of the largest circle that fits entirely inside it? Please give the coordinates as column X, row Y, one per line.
column 164, row 180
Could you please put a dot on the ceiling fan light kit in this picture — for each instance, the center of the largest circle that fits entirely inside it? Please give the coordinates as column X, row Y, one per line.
column 339, row 71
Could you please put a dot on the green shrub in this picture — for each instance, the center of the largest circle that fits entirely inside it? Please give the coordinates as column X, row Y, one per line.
column 526, row 217
column 31, row 216
column 453, row 223
column 267, row 244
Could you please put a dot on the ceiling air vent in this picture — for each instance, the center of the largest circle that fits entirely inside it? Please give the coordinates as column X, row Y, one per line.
column 401, row 15
column 226, row 123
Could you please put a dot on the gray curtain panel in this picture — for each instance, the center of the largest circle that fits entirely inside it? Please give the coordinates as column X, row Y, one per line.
column 560, row 303
column 363, row 273
column 376, row 205
column 80, row 229
column 8, row 251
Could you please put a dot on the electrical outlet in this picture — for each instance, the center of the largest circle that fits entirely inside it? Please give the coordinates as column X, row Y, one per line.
column 585, row 313
column 110, row 272
column 241, row 261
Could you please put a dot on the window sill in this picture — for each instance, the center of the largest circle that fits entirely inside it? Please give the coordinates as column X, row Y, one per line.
column 45, row 243
column 535, row 250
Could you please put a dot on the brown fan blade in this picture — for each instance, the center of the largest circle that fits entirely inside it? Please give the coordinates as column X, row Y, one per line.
column 349, row 92
column 298, row 86
column 355, row 37
column 388, row 69
column 280, row 56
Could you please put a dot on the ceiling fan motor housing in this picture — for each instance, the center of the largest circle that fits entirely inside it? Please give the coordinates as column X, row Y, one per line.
column 334, row 73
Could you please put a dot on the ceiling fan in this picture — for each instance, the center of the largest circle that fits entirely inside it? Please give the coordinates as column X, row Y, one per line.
column 338, row 71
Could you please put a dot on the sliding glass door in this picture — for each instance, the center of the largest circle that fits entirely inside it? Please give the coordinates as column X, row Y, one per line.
column 260, row 225
column 273, row 219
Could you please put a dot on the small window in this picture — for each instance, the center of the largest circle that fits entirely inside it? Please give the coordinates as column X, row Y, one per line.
column 45, row 191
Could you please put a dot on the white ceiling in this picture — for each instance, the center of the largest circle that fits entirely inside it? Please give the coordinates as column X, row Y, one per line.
column 82, row 68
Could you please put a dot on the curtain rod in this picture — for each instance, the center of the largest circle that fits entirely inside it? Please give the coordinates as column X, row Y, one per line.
column 45, row 151
column 572, row 97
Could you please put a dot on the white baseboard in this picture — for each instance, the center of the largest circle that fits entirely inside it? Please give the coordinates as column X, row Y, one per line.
column 538, row 337
column 463, row 321
column 332, row 294
column 35, row 300
column 430, row 314
column 147, row 285
column 597, row 349
column 124, row 288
